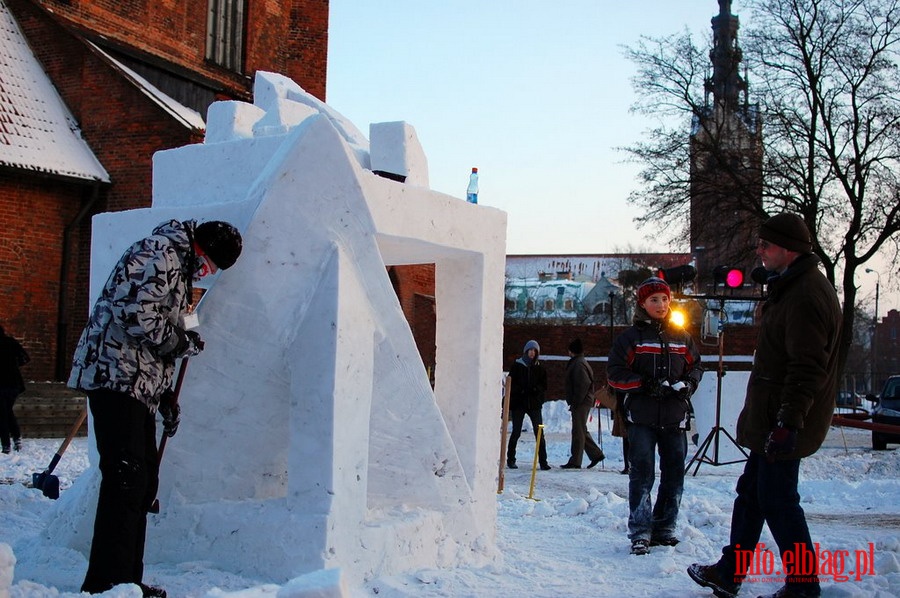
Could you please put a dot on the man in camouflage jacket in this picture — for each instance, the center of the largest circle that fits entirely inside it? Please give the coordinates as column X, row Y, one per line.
column 124, row 362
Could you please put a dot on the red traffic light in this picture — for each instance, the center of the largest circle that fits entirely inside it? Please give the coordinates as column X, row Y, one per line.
column 733, row 278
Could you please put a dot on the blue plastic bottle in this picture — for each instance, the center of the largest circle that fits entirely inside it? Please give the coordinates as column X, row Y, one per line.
column 472, row 190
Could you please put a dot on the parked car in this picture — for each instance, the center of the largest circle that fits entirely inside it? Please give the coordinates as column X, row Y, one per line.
column 886, row 410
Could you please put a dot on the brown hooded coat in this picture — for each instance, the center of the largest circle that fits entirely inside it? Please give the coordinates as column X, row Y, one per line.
column 795, row 377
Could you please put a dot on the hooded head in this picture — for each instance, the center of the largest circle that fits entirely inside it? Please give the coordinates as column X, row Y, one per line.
column 788, row 231
column 532, row 344
column 220, row 241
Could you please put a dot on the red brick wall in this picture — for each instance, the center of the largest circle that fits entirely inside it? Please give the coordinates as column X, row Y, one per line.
column 288, row 37
column 414, row 286
column 33, row 214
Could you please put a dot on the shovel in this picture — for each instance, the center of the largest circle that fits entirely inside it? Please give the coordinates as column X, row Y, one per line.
column 46, row 481
column 154, row 507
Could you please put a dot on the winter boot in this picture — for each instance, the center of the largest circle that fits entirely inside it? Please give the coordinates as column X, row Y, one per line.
column 708, row 577
column 640, row 546
column 152, row 591
column 17, row 444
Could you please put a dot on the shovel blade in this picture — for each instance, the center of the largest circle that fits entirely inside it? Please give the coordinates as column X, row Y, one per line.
column 50, row 488
column 47, row 483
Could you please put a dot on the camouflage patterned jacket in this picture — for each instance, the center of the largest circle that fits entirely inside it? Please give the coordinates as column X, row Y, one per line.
column 128, row 342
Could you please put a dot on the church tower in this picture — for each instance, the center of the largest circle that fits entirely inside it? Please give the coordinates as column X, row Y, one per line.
column 726, row 161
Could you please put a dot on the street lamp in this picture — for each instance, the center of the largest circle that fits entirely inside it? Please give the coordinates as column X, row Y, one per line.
column 874, row 324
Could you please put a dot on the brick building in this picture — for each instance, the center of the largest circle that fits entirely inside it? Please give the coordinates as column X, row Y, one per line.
column 124, row 80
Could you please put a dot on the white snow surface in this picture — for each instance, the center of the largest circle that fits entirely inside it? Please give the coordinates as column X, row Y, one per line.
column 568, row 539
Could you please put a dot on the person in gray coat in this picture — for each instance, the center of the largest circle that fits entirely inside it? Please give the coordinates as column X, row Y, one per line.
column 580, row 397
column 124, row 362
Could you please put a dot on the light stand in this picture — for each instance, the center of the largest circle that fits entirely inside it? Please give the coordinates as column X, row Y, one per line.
column 712, row 439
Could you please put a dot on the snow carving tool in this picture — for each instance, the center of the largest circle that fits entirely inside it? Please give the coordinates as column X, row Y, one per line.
column 46, row 481
column 154, row 507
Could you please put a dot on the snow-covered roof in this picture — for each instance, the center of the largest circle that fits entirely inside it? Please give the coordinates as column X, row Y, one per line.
column 189, row 117
column 37, row 130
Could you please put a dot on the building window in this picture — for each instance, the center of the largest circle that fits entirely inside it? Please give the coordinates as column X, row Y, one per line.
column 568, row 305
column 225, row 33
column 549, row 305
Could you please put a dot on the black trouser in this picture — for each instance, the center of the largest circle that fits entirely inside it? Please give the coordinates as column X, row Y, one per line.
column 518, row 418
column 125, row 432
column 9, row 426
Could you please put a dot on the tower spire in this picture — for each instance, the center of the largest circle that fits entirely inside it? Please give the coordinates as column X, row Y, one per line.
column 726, row 83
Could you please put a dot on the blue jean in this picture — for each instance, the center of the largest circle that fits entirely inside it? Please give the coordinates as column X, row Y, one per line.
column 767, row 493
column 645, row 522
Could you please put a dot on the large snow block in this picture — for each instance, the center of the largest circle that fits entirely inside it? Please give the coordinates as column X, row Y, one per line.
column 394, row 149
column 311, row 438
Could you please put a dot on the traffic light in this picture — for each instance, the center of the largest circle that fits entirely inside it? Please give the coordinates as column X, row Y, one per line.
column 678, row 275
column 731, row 277
column 760, row 275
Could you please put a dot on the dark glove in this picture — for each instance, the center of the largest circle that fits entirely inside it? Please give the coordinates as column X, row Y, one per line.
column 189, row 343
column 690, row 387
column 653, row 387
column 781, row 441
column 170, row 412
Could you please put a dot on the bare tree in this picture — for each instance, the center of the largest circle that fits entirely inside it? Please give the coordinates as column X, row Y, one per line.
column 825, row 76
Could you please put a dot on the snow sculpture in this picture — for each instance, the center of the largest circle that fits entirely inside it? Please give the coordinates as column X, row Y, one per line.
column 310, row 437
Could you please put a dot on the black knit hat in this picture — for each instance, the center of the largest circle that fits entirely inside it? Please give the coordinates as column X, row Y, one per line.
column 788, row 231
column 576, row 347
column 220, row 241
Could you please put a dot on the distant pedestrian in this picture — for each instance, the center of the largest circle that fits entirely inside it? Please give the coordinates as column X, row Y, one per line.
column 12, row 357
column 529, row 387
column 656, row 364
column 580, row 397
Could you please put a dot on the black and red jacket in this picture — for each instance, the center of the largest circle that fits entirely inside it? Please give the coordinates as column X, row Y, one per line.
column 654, row 350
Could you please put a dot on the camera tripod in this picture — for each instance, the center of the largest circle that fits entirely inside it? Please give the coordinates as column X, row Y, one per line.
column 712, row 439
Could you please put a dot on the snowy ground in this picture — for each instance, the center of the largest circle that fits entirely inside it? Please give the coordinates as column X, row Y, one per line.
column 567, row 540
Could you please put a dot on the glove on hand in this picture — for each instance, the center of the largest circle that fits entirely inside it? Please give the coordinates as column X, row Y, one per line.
column 781, row 441
column 653, row 387
column 189, row 343
column 195, row 343
column 688, row 391
column 171, row 413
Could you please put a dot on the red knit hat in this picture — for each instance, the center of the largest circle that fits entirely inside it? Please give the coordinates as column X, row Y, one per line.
column 650, row 286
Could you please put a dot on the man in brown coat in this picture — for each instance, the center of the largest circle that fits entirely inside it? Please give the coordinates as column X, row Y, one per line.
column 787, row 411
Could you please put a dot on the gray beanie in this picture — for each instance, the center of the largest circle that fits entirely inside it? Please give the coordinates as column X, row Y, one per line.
column 532, row 345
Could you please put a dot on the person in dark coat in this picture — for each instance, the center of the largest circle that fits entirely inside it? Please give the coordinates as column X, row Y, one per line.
column 124, row 362
column 529, row 387
column 580, row 397
column 787, row 409
column 12, row 357
column 656, row 364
